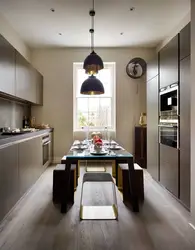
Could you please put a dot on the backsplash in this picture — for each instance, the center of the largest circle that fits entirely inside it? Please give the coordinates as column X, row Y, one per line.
column 11, row 113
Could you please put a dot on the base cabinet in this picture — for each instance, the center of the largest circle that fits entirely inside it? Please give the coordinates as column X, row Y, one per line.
column 9, row 190
column 140, row 146
column 20, row 167
column 169, row 168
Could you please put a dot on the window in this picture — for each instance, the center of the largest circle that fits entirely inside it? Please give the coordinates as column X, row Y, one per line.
column 95, row 111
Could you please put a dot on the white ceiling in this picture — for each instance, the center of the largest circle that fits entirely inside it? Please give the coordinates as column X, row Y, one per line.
column 148, row 25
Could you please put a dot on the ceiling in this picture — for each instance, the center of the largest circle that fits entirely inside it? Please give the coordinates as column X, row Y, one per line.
column 147, row 25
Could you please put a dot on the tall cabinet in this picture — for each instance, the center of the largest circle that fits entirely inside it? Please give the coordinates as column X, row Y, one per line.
column 185, row 116
column 152, row 118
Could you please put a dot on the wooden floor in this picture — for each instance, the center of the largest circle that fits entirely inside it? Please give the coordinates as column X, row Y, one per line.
column 36, row 224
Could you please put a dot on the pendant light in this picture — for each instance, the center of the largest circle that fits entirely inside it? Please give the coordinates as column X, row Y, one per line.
column 93, row 63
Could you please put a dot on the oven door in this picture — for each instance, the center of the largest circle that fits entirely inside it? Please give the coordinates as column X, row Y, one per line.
column 168, row 135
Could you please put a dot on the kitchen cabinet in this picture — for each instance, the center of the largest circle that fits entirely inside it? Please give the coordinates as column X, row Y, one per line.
column 51, row 147
column 185, row 131
column 152, row 128
column 30, row 163
column 169, row 63
column 169, row 168
column 152, row 68
column 7, row 67
column 185, row 41
column 140, row 146
column 25, row 87
column 9, row 192
column 39, row 81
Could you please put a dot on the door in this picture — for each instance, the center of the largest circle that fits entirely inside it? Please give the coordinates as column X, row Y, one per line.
column 169, row 173
column 185, row 131
column 169, row 63
column 25, row 84
column 9, row 186
column 185, row 42
column 7, row 67
column 152, row 128
column 152, row 68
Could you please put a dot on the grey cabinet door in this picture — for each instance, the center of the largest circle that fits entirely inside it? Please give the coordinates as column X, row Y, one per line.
column 169, row 169
column 152, row 68
column 30, row 163
column 152, row 128
column 7, row 67
column 39, row 80
column 25, row 84
column 185, row 131
column 9, row 192
column 169, row 63
column 185, row 41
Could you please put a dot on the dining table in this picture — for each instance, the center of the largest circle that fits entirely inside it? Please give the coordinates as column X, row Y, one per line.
column 110, row 151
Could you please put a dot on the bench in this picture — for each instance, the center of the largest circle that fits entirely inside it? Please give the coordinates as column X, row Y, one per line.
column 123, row 181
column 58, row 179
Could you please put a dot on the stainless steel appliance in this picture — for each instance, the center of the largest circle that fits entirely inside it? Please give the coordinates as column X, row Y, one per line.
column 46, row 144
column 169, row 99
column 169, row 133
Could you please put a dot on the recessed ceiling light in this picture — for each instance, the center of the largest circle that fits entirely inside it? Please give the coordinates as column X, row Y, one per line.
column 132, row 9
column 52, row 10
column 121, row 33
column 60, row 34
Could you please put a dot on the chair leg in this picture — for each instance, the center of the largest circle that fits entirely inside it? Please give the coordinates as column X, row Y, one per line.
column 115, row 206
column 81, row 203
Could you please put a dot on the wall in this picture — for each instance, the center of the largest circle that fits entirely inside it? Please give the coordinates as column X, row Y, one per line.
column 193, row 111
column 56, row 65
column 13, row 38
column 175, row 31
column 11, row 113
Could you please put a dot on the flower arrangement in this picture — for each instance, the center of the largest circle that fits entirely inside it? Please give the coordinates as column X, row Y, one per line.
column 97, row 143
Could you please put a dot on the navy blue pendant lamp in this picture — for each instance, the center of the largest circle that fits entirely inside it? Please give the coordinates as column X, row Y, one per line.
column 92, row 64
column 92, row 86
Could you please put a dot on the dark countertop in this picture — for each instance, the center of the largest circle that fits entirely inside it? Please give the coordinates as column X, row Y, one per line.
column 7, row 139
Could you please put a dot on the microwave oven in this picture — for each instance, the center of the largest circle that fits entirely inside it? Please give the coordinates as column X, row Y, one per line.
column 169, row 98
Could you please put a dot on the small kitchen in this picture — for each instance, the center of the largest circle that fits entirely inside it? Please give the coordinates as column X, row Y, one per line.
column 25, row 147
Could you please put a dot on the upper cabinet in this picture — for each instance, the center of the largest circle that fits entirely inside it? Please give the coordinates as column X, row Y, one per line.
column 169, row 63
column 185, row 42
column 152, row 67
column 37, row 79
column 7, row 67
column 25, row 84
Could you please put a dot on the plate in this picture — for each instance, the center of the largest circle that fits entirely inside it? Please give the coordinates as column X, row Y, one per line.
column 99, row 153
column 115, row 148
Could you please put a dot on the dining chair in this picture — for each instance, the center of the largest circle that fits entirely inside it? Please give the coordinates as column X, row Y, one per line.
column 99, row 212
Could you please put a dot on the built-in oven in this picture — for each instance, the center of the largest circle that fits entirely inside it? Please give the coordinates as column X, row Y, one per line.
column 168, row 134
column 169, row 99
column 46, row 150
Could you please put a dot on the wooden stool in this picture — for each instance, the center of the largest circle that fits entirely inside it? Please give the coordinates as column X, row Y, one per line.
column 123, row 181
column 58, row 178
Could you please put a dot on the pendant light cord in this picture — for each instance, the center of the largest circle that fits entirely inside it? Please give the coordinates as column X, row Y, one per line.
column 92, row 14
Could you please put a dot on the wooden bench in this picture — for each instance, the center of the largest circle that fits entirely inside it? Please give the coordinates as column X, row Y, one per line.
column 123, row 181
column 58, row 178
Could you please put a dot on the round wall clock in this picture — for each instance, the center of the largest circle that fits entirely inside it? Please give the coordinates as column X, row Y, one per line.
column 136, row 68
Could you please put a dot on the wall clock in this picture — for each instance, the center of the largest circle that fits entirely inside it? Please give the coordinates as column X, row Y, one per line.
column 136, row 68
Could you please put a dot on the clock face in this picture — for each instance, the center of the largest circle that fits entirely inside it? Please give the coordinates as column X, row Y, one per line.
column 136, row 68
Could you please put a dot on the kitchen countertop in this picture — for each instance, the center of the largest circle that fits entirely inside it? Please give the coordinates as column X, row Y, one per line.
column 8, row 139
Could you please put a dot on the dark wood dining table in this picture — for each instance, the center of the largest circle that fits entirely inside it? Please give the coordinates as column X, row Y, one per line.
column 85, row 153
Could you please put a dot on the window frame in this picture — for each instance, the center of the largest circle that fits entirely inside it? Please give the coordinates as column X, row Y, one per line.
column 107, row 65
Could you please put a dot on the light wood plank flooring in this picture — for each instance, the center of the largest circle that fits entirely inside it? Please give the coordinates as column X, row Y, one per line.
column 36, row 224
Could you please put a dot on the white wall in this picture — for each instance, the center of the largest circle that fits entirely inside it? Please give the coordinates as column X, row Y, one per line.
column 56, row 65
column 193, row 110
column 13, row 38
